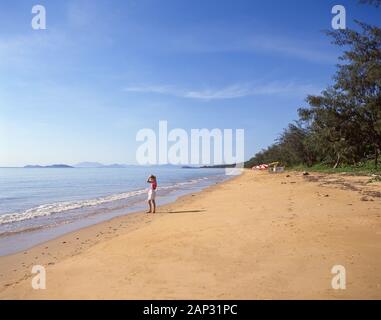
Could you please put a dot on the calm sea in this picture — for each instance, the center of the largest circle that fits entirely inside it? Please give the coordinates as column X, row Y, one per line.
column 40, row 204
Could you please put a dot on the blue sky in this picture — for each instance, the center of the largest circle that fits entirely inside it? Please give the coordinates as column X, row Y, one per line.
column 80, row 90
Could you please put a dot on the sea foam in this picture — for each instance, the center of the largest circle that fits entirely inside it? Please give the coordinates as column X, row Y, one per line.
column 59, row 207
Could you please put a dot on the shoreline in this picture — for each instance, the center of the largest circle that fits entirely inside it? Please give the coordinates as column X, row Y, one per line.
column 13, row 242
column 255, row 236
column 76, row 242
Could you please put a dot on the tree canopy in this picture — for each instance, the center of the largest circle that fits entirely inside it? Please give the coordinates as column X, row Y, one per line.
column 342, row 125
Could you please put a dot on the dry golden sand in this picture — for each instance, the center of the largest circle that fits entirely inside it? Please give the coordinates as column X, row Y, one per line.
column 257, row 236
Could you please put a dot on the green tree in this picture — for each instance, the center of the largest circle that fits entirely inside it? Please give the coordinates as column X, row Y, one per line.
column 348, row 115
column 343, row 123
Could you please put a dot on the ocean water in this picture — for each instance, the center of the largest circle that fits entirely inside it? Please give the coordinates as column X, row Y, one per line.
column 38, row 204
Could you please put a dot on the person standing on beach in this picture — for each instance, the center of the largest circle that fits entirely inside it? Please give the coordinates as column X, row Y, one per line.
column 152, row 194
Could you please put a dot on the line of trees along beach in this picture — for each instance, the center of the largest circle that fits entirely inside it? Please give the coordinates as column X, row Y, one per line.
column 342, row 125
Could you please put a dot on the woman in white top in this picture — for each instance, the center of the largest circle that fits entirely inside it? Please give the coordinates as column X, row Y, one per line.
column 152, row 194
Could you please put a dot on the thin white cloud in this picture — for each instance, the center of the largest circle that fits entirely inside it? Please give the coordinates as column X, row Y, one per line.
column 291, row 47
column 228, row 92
column 210, row 39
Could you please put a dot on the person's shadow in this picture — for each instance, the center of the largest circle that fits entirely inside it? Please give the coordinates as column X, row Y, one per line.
column 186, row 211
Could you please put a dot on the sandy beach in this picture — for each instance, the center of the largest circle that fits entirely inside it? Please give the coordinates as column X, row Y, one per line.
column 256, row 236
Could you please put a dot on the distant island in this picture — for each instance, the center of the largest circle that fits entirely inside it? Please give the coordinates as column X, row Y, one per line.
column 89, row 165
column 50, row 166
column 219, row 166
column 101, row 165
column 117, row 165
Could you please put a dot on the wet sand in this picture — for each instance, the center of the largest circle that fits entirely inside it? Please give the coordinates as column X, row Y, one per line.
column 257, row 236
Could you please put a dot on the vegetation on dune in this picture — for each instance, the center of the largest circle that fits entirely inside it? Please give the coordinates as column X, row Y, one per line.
column 341, row 127
column 360, row 168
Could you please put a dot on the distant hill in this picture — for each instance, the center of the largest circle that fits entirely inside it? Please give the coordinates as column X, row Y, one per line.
column 116, row 165
column 166, row 166
column 89, row 165
column 50, row 166
column 219, row 166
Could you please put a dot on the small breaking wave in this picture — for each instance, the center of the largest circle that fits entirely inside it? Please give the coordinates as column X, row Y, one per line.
column 59, row 207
